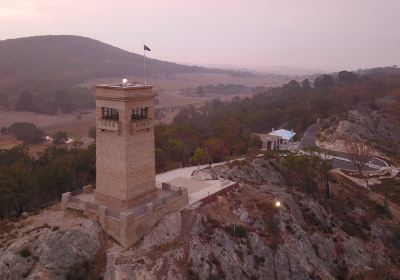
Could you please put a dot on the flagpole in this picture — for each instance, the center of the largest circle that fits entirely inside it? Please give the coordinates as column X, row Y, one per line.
column 144, row 65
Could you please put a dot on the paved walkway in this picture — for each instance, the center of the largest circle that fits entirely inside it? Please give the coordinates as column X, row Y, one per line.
column 197, row 189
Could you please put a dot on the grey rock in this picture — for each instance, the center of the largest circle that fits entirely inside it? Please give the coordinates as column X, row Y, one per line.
column 52, row 253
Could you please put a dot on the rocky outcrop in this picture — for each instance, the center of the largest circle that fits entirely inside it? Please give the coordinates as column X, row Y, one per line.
column 49, row 253
column 379, row 127
column 166, row 230
column 259, row 171
column 239, row 234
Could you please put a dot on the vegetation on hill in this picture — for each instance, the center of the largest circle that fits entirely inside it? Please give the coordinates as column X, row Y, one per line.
column 42, row 73
column 221, row 130
column 25, row 132
column 214, row 132
column 28, row 184
column 48, row 102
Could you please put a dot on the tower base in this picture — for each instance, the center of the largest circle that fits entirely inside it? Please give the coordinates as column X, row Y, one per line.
column 128, row 226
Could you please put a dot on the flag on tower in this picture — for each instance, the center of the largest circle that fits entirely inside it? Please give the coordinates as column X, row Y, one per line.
column 146, row 48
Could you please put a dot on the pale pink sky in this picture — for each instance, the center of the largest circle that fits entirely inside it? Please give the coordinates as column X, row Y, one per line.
column 322, row 34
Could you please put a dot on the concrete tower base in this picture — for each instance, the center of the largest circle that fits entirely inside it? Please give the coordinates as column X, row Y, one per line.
column 128, row 226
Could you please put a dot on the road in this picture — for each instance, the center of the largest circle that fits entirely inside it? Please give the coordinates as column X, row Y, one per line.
column 308, row 139
column 341, row 159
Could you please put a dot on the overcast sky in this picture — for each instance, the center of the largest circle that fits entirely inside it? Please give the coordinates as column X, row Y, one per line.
column 317, row 34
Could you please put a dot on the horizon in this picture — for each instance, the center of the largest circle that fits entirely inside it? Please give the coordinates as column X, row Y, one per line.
column 302, row 35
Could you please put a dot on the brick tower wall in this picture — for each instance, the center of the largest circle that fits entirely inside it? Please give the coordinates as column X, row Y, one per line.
column 125, row 162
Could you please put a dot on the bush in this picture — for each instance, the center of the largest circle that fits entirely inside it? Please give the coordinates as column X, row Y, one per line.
column 82, row 271
column 382, row 210
column 193, row 275
column 269, row 154
column 60, row 137
column 25, row 252
column 26, row 132
column 92, row 132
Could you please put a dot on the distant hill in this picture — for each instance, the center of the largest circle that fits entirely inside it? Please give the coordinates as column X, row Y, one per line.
column 61, row 61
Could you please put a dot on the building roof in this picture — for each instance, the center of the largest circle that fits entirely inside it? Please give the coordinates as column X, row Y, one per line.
column 285, row 134
column 268, row 137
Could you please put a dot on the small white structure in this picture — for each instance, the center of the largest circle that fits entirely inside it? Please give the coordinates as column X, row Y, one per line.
column 279, row 139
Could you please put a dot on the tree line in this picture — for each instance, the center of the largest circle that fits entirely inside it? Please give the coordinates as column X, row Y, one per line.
column 27, row 184
column 220, row 130
column 49, row 102
column 214, row 132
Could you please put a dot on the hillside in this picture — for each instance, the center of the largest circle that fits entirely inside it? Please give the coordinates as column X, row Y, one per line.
column 239, row 234
column 45, row 74
column 236, row 235
column 67, row 60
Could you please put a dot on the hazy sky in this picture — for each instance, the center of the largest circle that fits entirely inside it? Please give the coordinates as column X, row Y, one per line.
column 319, row 34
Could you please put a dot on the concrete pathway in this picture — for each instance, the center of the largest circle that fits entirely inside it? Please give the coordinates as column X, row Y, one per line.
column 197, row 189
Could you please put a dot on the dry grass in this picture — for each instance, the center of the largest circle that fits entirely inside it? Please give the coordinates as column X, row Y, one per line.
column 7, row 142
column 69, row 123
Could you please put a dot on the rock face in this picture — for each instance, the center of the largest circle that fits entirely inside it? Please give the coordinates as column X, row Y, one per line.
column 259, row 171
column 46, row 253
column 167, row 230
column 237, row 235
column 378, row 126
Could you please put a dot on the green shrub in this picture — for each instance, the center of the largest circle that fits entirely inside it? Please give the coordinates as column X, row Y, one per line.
column 25, row 252
column 26, row 132
column 382, row 210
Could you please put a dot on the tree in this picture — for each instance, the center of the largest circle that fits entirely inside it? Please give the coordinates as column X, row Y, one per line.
column 25, row 102
column 346, row 77
column 324, row 81
column 161, row 158
column 63, row 100
column 4, row 130
column 302, row 171
column 26, row 132
column 92, row 132
column 293, row 85
column 216, row 149
column 188, row 137
column 200, row 91
column 323, row 164
column 255, row 143
column 198, row 156
column 23, row 185
column 306, row 84
column 359, row 154
column 60, row 137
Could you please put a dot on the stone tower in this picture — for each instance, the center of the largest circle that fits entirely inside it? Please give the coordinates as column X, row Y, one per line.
column 125, row 162
column 126, row 202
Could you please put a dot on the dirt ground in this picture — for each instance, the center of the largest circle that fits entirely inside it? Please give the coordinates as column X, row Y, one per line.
column 50, row 124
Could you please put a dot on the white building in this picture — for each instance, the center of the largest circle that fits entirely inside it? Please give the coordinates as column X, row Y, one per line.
column 277, row 139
